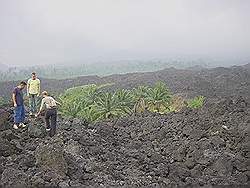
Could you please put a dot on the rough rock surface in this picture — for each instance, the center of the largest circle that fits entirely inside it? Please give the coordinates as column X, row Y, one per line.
column 36, row 130
column 4, row 117
column 14, row 178
column 49, row 156
column 203, row 147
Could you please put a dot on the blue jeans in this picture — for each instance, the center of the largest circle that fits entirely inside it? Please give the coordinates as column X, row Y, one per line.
column 19, row 114
column 33, row 101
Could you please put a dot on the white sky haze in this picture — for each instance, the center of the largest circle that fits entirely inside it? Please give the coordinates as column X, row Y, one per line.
column 61, row 31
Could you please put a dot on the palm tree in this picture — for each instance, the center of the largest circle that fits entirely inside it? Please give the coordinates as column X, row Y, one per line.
column 90, row 114
column 158, row 97
column 125, row 100
column 108, row 106
column 74, row 100
column 80, row 101
column 72, row 107
column 140, row 94
column 91, row 93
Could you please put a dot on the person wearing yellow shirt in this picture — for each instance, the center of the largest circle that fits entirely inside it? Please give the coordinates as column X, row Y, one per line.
column 33, row 92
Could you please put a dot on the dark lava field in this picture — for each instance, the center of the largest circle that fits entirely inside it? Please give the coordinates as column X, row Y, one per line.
column 207, row 147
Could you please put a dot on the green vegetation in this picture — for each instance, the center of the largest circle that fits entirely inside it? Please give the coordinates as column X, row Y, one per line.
column 197, row 102
column 108, row 106
column 176, row 104
column 139, row 96
column 158, row 97
column 93, row 103
column 79, row 101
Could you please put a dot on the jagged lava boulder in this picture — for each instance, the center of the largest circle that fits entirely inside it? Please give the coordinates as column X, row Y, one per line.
column 37, row 130
column 49, row 156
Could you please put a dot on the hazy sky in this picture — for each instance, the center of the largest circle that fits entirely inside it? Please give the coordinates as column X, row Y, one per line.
column 61, row 31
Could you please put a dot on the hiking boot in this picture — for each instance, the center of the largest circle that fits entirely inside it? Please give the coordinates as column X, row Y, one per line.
column 15, row 126
column 22, row 125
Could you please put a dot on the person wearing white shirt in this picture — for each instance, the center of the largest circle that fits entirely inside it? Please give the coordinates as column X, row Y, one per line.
column 50, row 105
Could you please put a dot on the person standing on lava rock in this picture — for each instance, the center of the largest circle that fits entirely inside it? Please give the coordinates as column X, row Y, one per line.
column 50, row 112
column 33, row 92
column 18, row 101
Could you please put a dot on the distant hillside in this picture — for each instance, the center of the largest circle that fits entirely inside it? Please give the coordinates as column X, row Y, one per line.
column 99, row 68
column 212, row 83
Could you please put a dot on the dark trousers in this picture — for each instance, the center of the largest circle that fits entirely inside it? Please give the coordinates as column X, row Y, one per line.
column 50, row 120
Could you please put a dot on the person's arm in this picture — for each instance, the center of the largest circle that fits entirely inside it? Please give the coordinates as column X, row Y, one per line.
column 28, row 87
column 58, row 102
column 14, row 98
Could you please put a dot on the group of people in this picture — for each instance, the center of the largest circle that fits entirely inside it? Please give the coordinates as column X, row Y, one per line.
column 34, row 94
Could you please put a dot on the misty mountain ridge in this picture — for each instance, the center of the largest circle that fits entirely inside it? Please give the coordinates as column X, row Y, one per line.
column 103, row 68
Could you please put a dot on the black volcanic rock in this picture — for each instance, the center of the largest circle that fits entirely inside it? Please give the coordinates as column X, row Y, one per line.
column 201, row 147
column 12, row 177
column 36, row 130
column 7, row 148
column 4, row 117
column 50, row 157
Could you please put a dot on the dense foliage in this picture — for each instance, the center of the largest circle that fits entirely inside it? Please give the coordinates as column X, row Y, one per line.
column 92, row 103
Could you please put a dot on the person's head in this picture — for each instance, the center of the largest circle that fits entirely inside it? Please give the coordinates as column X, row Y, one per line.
column 33, row 75
column 45, row 94
column 22, row 84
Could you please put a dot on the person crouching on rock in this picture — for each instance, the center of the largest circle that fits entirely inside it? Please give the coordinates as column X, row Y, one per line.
column 19, row 111
column 50, row 112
